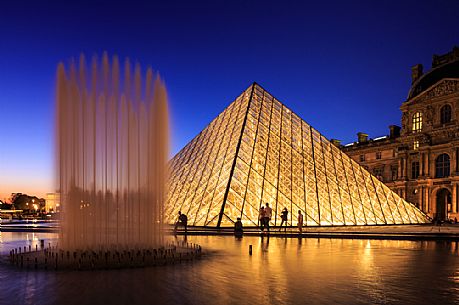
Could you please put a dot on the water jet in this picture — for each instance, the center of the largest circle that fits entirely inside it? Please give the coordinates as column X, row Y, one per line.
column 112, row 139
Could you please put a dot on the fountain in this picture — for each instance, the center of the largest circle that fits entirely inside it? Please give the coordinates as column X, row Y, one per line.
column 112, row 151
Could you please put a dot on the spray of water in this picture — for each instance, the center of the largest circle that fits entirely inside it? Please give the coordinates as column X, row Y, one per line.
column 112, row 150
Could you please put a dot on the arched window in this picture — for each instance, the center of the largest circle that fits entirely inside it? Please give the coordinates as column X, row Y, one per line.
column 442, row 166
column 417, row 121
column 445, row 114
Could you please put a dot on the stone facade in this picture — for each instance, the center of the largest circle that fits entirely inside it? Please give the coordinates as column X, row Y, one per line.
column 53, row 201
column 421, row 163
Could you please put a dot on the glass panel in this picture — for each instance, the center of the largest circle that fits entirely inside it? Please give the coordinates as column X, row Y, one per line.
column 396, row 204
column 310, row 183
column 341, row 179
column 335, row 198
column 354, row 192
column 371, row 216
column 382, row 215
column 322, row 186
column 282, row 161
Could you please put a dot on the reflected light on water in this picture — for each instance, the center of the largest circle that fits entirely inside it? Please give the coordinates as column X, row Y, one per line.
column 280, row 271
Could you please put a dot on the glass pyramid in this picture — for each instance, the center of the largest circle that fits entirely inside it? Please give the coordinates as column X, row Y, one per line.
column 258, row 151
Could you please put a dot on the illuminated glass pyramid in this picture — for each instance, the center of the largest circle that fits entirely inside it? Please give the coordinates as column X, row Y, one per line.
column 258, row 151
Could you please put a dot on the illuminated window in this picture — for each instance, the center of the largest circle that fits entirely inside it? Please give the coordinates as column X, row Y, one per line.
column 415, row 144
column 442, row 166
column 378, row 155
column 417, row 122
column 362, row 158
column 445, row 114
column 415, row 170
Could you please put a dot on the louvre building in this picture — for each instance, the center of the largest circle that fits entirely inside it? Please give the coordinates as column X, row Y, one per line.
column 420, row 159
column 258, row 151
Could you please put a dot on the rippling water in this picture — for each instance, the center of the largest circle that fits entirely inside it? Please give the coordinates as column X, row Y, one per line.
column 280, row 271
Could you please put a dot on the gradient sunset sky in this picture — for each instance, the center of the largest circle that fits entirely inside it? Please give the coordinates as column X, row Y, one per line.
column 343, row 66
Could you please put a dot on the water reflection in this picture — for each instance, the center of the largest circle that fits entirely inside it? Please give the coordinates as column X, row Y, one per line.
column 280, row 271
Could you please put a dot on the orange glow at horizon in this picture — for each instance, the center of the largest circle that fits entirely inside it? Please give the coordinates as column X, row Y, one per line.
column 31, row 186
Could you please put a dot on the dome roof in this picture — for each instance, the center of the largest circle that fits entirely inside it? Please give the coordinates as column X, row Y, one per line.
column 447, row 70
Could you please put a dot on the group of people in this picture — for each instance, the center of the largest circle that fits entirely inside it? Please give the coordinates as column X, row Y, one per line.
column 265, row 217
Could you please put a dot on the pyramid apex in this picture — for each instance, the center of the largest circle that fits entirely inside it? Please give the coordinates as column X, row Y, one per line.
column 256, row 152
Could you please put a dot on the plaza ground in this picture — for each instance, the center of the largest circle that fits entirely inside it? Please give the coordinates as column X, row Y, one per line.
column 398, row 232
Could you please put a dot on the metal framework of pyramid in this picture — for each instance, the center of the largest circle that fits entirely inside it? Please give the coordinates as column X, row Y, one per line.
column 258, row 151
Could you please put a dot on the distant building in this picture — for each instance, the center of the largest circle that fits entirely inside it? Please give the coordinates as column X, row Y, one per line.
column 420, row 161
column 53, row 201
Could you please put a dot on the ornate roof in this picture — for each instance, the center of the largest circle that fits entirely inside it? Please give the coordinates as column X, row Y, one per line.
column 444, row 66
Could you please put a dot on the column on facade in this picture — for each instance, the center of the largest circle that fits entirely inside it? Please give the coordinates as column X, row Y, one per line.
column 421, row 197
column 427, row 200
column 456, row 159
column 427, row 164
column 405, row 168
column 452, row 160
column 399, row 169
column 457, row 197
column 421, row 165
column 454, row 199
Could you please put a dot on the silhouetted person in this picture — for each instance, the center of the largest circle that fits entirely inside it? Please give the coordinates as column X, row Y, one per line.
column 300, row 221
column 284, row 217
column 261, row 218
column 267, row 218
column 182, row 220
column 238, row 230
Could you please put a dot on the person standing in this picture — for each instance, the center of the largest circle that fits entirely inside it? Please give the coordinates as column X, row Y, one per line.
column 284, row 217
column 300, row 221
column 268, row 214
column 261, row 218
column 238, row 229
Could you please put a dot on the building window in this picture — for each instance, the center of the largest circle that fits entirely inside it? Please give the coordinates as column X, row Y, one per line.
column 442, row 166
column 378, row 155
column 445, row 114
column 415, row 170
column 417, row 122
column 393, row 171
column 378, row 172
column 362, row 158
column 415, row 144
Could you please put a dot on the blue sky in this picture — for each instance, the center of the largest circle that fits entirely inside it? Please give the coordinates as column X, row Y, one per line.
column 343, row 66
